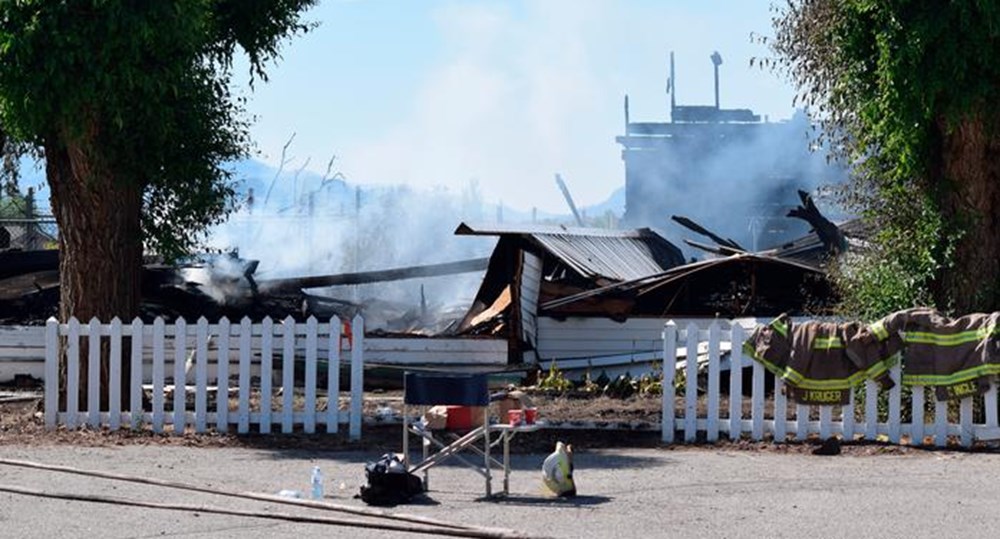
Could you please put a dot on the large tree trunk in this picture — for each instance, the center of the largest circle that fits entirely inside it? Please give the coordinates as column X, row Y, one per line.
column 970, row 166
column 100, row 247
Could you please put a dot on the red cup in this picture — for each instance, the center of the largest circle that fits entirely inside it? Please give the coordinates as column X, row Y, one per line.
column 529, row 415
column 515, row 417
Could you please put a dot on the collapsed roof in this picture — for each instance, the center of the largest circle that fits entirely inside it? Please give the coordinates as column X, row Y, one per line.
column 532, row 264
column 732, row 286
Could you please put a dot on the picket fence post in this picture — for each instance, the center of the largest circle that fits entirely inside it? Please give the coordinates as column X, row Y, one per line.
column 802, row 412
column 222, row 378
column 691, row 385
column 135, row 386
column 287, row 374
column 94, row 373
column 180, row 378
column 757, row 404
column 941, row 423
column 51, row 373
column 201, row 377
column 990, row 404
column 333, row 378
column 965, row 421
column 780, row 414
column 735, row 382
column 669, row 379
column 159, row 359
column 266, row 372
column 115, row 378
column 243, row 412
column 917, row 412
column 357, row 376
column 895, row 404
column 825, row 421
column 871, row 410
column 712, row 425
column 309, row 423
column 847, row 418
column 73, row 373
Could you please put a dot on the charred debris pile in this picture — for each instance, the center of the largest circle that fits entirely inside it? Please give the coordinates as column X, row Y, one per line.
column 561, row 272
column 534, row 270
column 218, row 285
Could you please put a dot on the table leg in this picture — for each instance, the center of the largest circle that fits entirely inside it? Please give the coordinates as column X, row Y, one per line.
column 506, row 464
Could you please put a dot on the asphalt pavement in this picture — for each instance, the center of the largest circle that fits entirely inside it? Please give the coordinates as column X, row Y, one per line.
column 688, row 492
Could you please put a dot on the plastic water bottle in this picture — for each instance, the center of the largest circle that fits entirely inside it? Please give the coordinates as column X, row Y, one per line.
column 317, row 483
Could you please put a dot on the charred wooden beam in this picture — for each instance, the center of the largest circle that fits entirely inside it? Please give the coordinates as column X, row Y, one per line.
column 698, row 229
column 719, row 250
column 272, row 286
column 831, row 236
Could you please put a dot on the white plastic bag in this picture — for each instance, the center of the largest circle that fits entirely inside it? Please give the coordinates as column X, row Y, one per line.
column 557, row 471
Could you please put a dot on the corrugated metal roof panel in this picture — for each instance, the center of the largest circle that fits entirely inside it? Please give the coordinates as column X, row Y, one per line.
column 620, row 259
column 526, row 229
column 618, row 255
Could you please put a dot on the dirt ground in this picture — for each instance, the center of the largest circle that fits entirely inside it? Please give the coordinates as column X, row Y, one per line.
column 21, row 422
column 618, row 423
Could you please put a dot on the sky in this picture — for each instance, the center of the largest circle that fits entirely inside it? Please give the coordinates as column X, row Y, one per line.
column 501, row 93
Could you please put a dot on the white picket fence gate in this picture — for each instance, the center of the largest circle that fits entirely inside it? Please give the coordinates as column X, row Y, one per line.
column 701, row 410
column 256, row 346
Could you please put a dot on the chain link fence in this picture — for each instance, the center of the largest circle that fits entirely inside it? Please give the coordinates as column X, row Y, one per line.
column 28, row 234
column 22, row 228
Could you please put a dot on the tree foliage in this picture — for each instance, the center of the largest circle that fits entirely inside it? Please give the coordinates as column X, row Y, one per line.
column 141, row 90
column 904, row 91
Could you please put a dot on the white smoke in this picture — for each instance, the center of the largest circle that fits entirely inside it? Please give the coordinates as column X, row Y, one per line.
column 309, row 227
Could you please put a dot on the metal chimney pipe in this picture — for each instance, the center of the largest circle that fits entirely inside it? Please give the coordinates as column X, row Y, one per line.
column 672, row 87
column 626, row 114
column 716, row 62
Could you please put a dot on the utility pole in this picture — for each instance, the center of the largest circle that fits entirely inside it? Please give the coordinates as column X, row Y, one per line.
column 30, row 226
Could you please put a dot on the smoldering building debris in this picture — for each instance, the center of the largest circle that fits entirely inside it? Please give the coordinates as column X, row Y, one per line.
column 365, row 277
column 224, row 285
column 726, row 167
column 533, row 264
column 734, row 286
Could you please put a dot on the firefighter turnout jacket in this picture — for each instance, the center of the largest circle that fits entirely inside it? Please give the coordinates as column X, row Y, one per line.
column 956, row 356
column 821, row 361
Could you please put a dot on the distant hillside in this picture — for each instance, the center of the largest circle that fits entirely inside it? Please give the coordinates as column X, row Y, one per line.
column 615, row 204
column 292, row 188
column 338, row 194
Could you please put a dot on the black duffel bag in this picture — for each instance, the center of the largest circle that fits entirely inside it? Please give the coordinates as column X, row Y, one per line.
column 389, row 483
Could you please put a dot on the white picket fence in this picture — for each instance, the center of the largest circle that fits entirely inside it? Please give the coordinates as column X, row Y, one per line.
column 257, row 362
column 701, row 410
column 263, row 349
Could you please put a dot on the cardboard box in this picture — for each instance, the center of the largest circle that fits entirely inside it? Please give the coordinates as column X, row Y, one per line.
column 436, row 417
column 515, row 400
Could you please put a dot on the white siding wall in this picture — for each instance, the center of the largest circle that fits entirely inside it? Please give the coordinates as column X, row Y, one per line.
column 531, row 282
column 22, row 351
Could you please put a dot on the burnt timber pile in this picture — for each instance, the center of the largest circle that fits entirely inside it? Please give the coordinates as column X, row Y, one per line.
column 216, row 286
